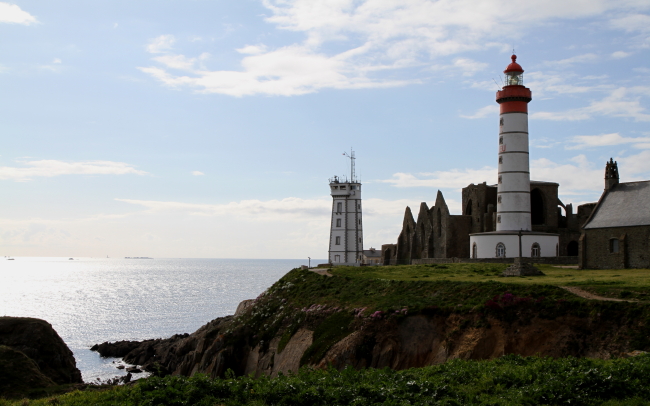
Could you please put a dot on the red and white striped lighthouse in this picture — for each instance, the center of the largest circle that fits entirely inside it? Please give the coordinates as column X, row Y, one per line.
column 514, row 235
column 513, row 191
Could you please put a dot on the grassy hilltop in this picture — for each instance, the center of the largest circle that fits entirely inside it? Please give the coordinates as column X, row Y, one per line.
column 333, row 307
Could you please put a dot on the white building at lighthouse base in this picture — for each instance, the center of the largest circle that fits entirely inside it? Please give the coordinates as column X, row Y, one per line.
column 505, row 244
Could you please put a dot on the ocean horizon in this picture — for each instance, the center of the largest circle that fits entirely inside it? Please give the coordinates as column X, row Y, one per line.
column 91, row 300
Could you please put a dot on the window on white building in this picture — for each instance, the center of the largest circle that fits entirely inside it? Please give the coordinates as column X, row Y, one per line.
column 337, row 258
column 501, row 250
column 338, row 222
column 474, row 251
column 338, row 241
column 339, row 207
column 535, row 250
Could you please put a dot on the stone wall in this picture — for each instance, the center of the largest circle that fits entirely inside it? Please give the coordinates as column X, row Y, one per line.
column 545, row 260
column 633, row 249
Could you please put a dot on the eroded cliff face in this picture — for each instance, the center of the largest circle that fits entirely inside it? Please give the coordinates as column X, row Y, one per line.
column 396, row 341
column 38, row 341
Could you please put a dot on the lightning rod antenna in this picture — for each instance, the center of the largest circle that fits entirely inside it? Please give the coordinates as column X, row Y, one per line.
column 352, row 158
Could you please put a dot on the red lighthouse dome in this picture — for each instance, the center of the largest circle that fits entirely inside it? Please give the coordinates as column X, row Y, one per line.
column 514, row 66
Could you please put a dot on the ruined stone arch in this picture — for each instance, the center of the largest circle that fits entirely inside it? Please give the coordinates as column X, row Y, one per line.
column 572, row 249
column 537, row 207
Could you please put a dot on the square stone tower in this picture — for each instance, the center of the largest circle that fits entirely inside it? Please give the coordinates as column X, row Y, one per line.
column 346, row 231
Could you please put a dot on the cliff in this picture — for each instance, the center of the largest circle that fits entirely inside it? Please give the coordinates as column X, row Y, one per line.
column 32, row 356
column 308, row 319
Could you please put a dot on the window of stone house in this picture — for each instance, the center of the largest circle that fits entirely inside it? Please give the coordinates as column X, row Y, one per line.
column 501, row 250
column 613, row 245
column 338, row 222
column 338, row 241
column 535, row 250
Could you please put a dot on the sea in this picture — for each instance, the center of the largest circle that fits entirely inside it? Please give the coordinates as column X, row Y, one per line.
column 92, row 300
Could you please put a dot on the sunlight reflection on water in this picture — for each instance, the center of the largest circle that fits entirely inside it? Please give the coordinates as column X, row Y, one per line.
column 92, row 300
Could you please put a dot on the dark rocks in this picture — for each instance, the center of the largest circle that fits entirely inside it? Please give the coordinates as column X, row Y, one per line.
column 19, row 374
column 117, row 349
column 134, row 370
column 37, row 340
column 174, row 355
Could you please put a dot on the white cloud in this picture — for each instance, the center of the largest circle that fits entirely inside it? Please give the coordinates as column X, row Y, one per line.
column 453, row 179
column 252, row 49
column 589, row 141
column 161, row 44
column 621, row 102
column 11, row 13
column 578, row 176
column 57, row 60
column 584, row 58
column 50, row 168
column 632, row 23
column 620, row 54
column 371, row 37
column 197, row 173
column 241, row 229
column 483, row 112
column 635, row 167
column 290, row 208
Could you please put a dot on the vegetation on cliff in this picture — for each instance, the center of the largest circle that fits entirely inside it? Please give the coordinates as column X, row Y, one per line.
column 361, row 295
column 510, row 380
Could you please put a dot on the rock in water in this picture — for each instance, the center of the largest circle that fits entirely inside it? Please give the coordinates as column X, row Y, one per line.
column 36, row 339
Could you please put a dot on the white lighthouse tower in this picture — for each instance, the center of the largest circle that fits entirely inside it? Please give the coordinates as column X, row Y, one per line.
column 346, row 232
column 513, row 236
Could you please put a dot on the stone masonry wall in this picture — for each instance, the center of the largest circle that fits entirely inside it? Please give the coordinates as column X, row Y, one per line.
column 634, row 248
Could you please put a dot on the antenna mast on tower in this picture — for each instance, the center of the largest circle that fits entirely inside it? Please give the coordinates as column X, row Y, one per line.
column 352, row 158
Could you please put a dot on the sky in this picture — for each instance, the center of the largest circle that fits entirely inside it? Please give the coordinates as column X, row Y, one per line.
column 210, row 128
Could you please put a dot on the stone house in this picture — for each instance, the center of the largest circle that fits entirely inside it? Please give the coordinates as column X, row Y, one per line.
column 617, row 234
column 371, row 257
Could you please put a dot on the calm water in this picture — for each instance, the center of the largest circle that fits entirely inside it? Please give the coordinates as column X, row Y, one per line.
column 90, row 300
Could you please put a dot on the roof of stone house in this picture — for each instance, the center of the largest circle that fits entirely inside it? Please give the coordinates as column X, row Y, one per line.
column 372, row 253
column 626, row 204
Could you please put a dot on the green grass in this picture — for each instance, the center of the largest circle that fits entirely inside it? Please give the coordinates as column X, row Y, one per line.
column 609, row 283
column 510, row 380
column 304, row 299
